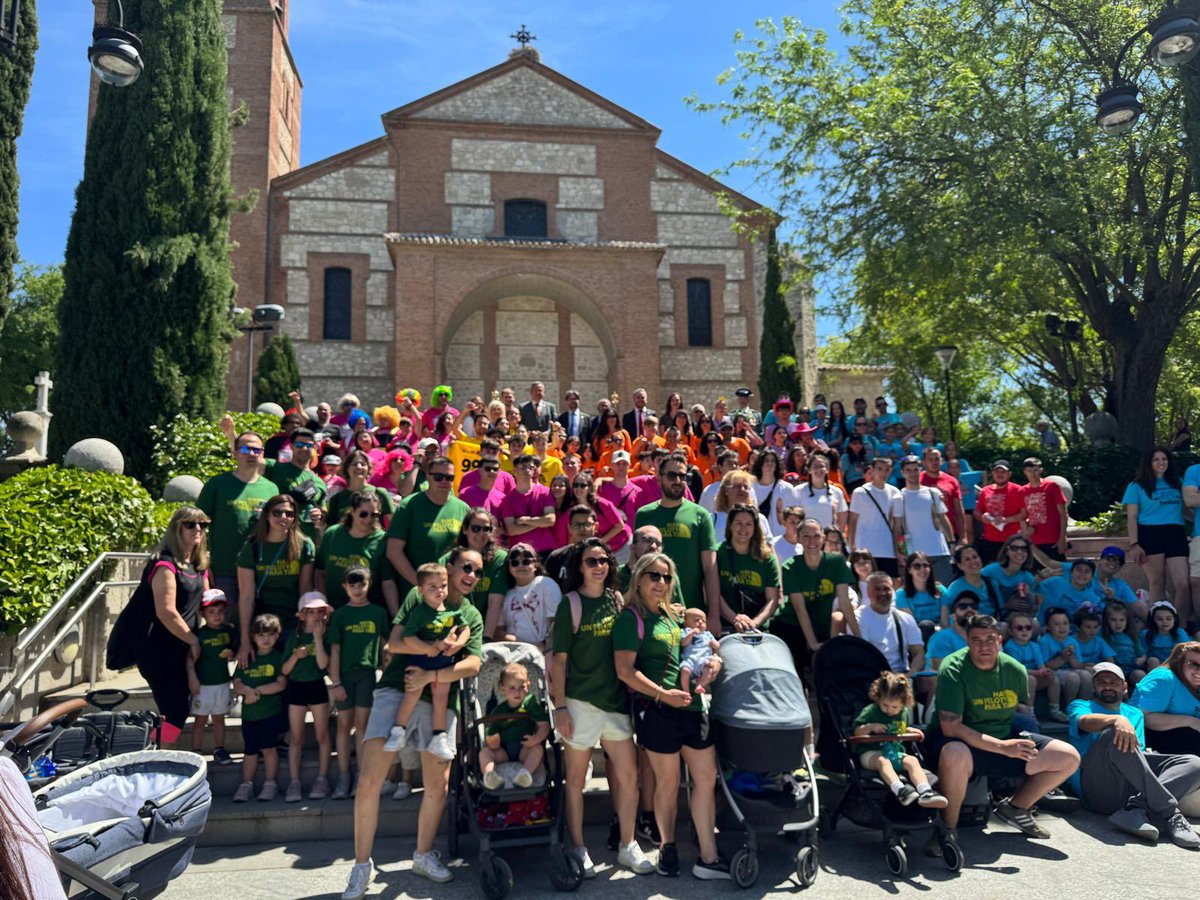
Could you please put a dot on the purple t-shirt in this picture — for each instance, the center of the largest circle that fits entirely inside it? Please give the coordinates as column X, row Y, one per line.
column 534, row 503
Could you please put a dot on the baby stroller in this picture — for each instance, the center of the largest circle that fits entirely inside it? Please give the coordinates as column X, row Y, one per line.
column 844, row 669
column 508, row 816
column 758, row 715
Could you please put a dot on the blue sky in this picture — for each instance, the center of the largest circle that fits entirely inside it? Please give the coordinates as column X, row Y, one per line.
column 360, row 58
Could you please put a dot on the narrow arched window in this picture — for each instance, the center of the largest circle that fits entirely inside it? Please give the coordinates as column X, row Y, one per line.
column 524, row 219
column 337, row 304
column 699, row 312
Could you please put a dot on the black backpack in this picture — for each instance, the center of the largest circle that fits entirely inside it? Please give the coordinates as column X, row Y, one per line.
column 132, row 624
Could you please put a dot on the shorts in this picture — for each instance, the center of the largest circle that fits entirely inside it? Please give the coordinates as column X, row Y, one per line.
column 665, row 729
column 1193, row 557
column 1163, row 540
column 306, row 693
column 420, row 726
column 263, row 734
column 593, row 725
column 988, row 550
column 991, row 765
column 695, row 664
column 430, row 663
column 512, row 749
column 213, row 700
column 360, row 686
column 1051, row 550
column 868, row 757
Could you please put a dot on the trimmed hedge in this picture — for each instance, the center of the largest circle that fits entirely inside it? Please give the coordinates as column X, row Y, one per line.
column 189, row 447
column 53, row 523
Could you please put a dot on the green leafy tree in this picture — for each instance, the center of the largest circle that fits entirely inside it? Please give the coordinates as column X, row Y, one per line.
column 16, row 75
column 778, row 369
column 28, row 335
column 278, row 372
column 947, row 168
column 145, row 315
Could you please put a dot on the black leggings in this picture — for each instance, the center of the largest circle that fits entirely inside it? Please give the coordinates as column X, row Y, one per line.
column 1174, row 742
column 162, row 660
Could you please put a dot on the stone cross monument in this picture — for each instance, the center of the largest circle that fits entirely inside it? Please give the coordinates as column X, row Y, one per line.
column 44, row 386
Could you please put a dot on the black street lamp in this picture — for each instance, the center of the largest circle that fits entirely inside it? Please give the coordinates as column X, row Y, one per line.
column 1069, row 333
column 10, row 15
column 945, row 355
column 116, row 53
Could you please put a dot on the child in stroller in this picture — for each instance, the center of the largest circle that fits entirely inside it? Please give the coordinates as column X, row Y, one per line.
column 887, row 714
column 521, row 738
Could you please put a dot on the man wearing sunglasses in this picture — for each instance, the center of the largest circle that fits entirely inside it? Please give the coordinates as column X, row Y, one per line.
column 426, row 524
column 297, row 477
column 486, row 489
column 581, row 525
column 528, row 509
column 489, row 452
column 942, row 643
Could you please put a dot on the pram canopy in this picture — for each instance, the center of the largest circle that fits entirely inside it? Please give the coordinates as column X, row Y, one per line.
column 758, row 689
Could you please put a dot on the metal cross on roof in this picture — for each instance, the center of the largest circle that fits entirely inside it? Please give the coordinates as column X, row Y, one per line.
column 523, row 37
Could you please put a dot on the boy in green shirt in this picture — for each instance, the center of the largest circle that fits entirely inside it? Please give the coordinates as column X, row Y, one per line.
column 261, row 684
column 208, row 677
column 519, row 738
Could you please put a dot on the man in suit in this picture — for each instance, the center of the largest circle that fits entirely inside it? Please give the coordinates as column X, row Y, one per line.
column 537, row 414
column 632, row 420
column 573, row 420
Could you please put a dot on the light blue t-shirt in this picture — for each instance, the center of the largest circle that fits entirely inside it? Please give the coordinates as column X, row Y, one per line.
column 1192, row 477
column 1164, row 508
column 1052, row 646
column 923, row 605
column 1126, row 648
column 1120, row 588
column 943, row 643
column 1083, row 740
column 1161, row 692
column 1058, row 591
column 1159, row 645
column 1007, row 584
column 987, row 598
column 1094, row 651
column 1029, row 655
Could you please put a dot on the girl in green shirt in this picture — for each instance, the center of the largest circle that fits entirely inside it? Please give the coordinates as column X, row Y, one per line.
column 748, row 571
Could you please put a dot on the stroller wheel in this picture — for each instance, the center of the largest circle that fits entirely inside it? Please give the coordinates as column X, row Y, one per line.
column 744, row 867
column 566, row 874
column 897, row 860
column 496, row 879
column 806, row 866
column 952, row 855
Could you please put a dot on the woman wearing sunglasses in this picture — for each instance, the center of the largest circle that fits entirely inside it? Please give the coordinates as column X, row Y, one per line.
column 356, row 539
column 178, row 577
column 611, row 526
column 355, row 474
column 480, row 532
column 274, row 568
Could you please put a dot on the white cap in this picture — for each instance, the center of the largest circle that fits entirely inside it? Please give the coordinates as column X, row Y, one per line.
column 313, row 600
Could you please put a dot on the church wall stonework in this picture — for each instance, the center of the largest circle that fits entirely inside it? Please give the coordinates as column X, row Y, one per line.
column 544, row 158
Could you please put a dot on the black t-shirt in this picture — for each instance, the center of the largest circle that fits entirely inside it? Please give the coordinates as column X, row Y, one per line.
column 274, row 444
column 557, row 562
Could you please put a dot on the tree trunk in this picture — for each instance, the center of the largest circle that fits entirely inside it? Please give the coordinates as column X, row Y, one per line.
column 1138, row 358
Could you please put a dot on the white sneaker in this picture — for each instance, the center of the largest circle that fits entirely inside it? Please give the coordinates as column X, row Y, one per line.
column 631, row 857
column 360, row 877
column 396, row 738
column 441, row 745
column 430, row 865
column 585, row 861
column 403, row 791
column 492, row 780
column 523, row 779
column 387, row 787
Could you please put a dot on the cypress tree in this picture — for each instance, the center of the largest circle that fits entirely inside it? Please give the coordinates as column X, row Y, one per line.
column 278, row 372
column 778, row 369
column 16, row 74
column 145, row 317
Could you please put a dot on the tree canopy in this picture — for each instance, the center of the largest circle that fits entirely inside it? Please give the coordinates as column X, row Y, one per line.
column 278, row 373
column 28, row 335
column 16, row 75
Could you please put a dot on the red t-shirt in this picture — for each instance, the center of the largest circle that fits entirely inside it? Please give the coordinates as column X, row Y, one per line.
column 534, row 504
column 1041, row 511
column 1001, row 501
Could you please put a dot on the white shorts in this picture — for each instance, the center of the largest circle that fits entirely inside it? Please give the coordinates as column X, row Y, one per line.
column 213, row 700
column 593, row 725
column 420, row 727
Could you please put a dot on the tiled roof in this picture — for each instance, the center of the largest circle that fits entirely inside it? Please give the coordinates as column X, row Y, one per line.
column 446, row 240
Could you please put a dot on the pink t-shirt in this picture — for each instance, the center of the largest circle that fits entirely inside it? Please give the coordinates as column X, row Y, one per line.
column 534, row 503
column 1041, row 511
column 624, row 499
column 489, row 500
column 430, row 416
column 504, row 481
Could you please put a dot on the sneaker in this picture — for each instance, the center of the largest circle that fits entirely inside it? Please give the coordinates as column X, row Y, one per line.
column 396, row 739
column 717, row 870
column 243, row 792
column 403, row 791
column 360, row 877
column 441, row 745
column 320, row 788
column 1182, row 833
column 387, row 787
column 631, row 857
column 269, row 792
column 931, row 799
column 1133, row 821
column 1020, row 819
column 221, row 757
column 585, row 861
column 492, row 780
column 907, row 795
column 429, row 865
column 668, row 861
column 342, row 791
column 523, row 779
column 647, row 828
column 295, row 793
column 1057, row 715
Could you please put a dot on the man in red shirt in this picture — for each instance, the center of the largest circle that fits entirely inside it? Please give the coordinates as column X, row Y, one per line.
column 933, row 476
column 1045, row 511
column 1000, row 509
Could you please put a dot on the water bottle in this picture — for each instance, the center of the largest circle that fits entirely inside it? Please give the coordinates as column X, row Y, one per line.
column 285, row 454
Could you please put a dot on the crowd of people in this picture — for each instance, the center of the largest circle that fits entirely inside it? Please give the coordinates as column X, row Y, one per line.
column 358, row 562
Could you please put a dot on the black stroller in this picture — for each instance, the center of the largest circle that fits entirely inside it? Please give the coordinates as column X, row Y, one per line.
column 759, row 714
column 844, row 669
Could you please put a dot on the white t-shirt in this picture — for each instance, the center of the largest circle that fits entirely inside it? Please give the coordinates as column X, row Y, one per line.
column 528, row 610
column 21, row 820
column 873, row 531
column 784, row 549
column 708, row 499
column 819, row 504
column 915, row 509
column 720, row 519
column 881, row 631
column 782, row 490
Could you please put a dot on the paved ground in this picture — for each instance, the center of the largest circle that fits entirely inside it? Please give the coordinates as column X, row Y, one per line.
column 1078, row 862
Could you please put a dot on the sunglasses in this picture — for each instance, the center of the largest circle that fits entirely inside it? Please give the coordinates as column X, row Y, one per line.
column 492, row 469
column 920, row 566
column 355, row 580
column 366, row 515
column 674, row 476
column 521, row 559
column 479, row 529
column 302, row 445
column 440, row 476
column 203, row 526
column 966, row 606
column 283, row 514
column 1021, row 547
column 595, row 562
column 468, row 569
column 580, row 484
column 250, row 451
column 659, row 577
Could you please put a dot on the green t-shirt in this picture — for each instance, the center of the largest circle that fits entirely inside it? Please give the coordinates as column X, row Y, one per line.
column 339, row 503
column 495, row 580
column 287, row 476
column 819, row 587
column 687, row 532
column 464, row 614
column 340, row 551
column 742, row 574
column 986, row 700
column 591, row 671
column 232, row 504
column 265, row 669
column 659, row 650
column 217, row 647
column 422, row 621
column 278, row 576
column 306, row 669
column 527, row 715
column 429, row 531
column 873, row 715
column 359, row 630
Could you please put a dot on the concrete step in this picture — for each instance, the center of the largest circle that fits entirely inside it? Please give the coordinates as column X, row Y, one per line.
column 129, row 681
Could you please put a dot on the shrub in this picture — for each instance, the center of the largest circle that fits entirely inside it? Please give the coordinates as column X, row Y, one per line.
column 163, row 511
column 189, row 447
column 53, row 523
column 1110, row 522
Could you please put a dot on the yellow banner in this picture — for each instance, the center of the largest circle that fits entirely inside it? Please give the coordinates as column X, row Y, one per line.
column 465, row 455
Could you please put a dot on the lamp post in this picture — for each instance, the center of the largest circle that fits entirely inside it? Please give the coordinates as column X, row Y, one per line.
column 263, row 318
column 116, row 52
column 10, row 16
column 945, row 355
column 1069, row 332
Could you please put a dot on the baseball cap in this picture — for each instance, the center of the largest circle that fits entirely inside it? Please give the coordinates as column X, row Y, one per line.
column 726, row 423
column 214, row 595
column 1114, row 552
column 1002, row 464
column 1110, row 668
column 313, row 600
column 426, row 443
column 621, row 456
column 743, row 392
column 331, row 459
column 1031, row 461
column 822, row 407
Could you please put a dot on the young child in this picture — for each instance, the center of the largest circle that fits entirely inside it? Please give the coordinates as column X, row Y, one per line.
column 697, row 646
column 1092, row 647
column 521, row 737
column 356, row 635
column 1162, row 633
column 1061, row 652
column 528, row 609
column 1069, row 593
column 208, row 677
column 305, row 660
column 261, row 684
column 432, row 624
column 1128, row 651
column 887, row 714
column 1021, row 647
